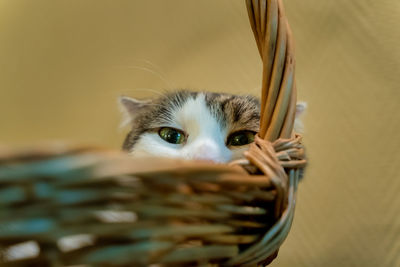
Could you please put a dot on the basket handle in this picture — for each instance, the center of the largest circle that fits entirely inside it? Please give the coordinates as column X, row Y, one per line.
column 275, row 44
column 280, row 146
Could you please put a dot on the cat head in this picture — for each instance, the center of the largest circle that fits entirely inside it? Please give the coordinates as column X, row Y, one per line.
column 191, row 125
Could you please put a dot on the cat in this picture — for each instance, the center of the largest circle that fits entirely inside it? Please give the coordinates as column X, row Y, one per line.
column 208, row 126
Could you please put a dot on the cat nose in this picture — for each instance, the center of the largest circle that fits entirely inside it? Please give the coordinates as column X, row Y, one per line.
column 209, row 151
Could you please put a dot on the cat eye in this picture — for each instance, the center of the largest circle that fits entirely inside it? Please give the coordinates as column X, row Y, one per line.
column 241, row 138
column 172, row 135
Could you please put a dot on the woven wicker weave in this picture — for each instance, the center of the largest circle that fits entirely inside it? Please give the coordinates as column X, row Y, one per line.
column 62, row 206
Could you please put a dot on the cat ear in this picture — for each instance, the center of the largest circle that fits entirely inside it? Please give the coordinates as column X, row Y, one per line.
column 300, row 110
column 130, row 108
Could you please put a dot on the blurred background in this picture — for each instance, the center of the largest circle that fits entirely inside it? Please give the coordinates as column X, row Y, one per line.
column 64, row 63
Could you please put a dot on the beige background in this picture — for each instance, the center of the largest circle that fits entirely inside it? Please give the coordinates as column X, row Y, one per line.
column 63, row 63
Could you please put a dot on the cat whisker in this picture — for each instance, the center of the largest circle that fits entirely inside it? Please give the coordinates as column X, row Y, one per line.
column 157, row 92
column 156, row 73
column 155, row 67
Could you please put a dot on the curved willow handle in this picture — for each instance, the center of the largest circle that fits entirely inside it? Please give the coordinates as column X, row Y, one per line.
column 275, row 44
column 277, row 146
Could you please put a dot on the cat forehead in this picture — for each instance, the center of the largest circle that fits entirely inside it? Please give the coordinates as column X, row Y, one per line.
column 226, row 109
column 196, row 119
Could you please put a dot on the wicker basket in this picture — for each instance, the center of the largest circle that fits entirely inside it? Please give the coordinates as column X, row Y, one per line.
column 64, row 206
